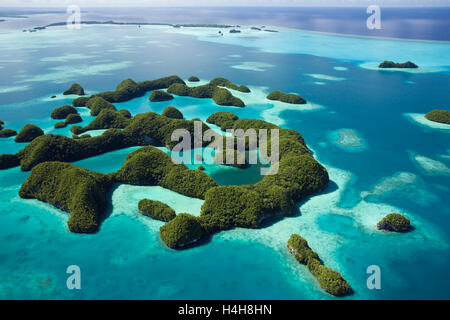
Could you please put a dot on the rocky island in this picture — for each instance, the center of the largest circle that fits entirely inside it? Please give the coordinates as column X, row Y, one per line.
column 156, row 210
column 75, row 89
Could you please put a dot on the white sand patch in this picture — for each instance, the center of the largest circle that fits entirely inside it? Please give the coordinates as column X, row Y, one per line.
column 374, row 66
column 340, row 68
column 324, row 77
column 253, row 66
column 319, row 83
column 125, row 199
column 347, row 139
column 430, row 166
column 419, row 118
column 404, row 185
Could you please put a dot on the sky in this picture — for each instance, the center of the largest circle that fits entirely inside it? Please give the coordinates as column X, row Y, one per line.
column 101, row 3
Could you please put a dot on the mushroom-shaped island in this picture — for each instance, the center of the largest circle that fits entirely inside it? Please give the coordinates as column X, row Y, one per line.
column 391, row 64
column 394, row 222
column 28, row 133
column 75, row 89
column 156, row 210
column 437, row 115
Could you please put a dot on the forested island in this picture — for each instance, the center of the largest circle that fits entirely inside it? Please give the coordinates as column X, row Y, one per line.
column 437, row 115
column 404, row 65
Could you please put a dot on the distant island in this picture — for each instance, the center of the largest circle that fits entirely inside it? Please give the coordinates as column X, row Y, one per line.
column 391, row 64
column 286, row 97
column 437, row 115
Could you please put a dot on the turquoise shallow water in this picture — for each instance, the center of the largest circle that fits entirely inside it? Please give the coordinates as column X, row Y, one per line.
column 400, row 165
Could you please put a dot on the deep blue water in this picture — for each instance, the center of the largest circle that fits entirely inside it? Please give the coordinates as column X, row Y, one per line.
column 126, row 259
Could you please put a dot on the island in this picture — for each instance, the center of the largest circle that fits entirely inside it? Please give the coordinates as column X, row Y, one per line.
column 391, row 64
column 8, row 161
column 71, row 118
column 1, row 124
column 221, row 96
column 235, row 31
column 437, row 115
column 28, row 133
column 222, row 82
column 75, row 89
column 159, row 95
column 182, row 231
column 330, row 280
column 225, row 120
column 172, row 112
column 62, row 112
column 286, row 97
column 193, row 79
column 106, row 119
column 156, row 210
column 6, row 133
column 395, row 222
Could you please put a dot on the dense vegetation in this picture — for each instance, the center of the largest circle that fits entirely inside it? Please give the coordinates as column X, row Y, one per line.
column 79, row 191
column 62, row 112
column 28, row 133
column 106, row 119
column 181, row 231
column 80, row 102
column 222, row 82
column 97, row 104
column 330, row 280
column 404, row 65
column 156, row 210
column 159, row 95
column 172, row 112
column 193, row 79
column 8, row 161
column 394, row 222
column 73, row 118
column 286, row 97
column 149, row 166
column 6, row 133
column 221, row 96
column 225, row 120
column 442, row 116
column 75, row 89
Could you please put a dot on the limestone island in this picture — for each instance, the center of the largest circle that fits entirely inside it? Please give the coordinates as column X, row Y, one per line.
column 286, row 97
column 6, row 133
column 75, row 89
column 156, row 210
column 159, row 95
column 28, row 133
column 172, row 112
column 193, row 79
column 441, row 116
column 394, row 222
column 391, row 64
column 331, row 281
column 62, row 112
